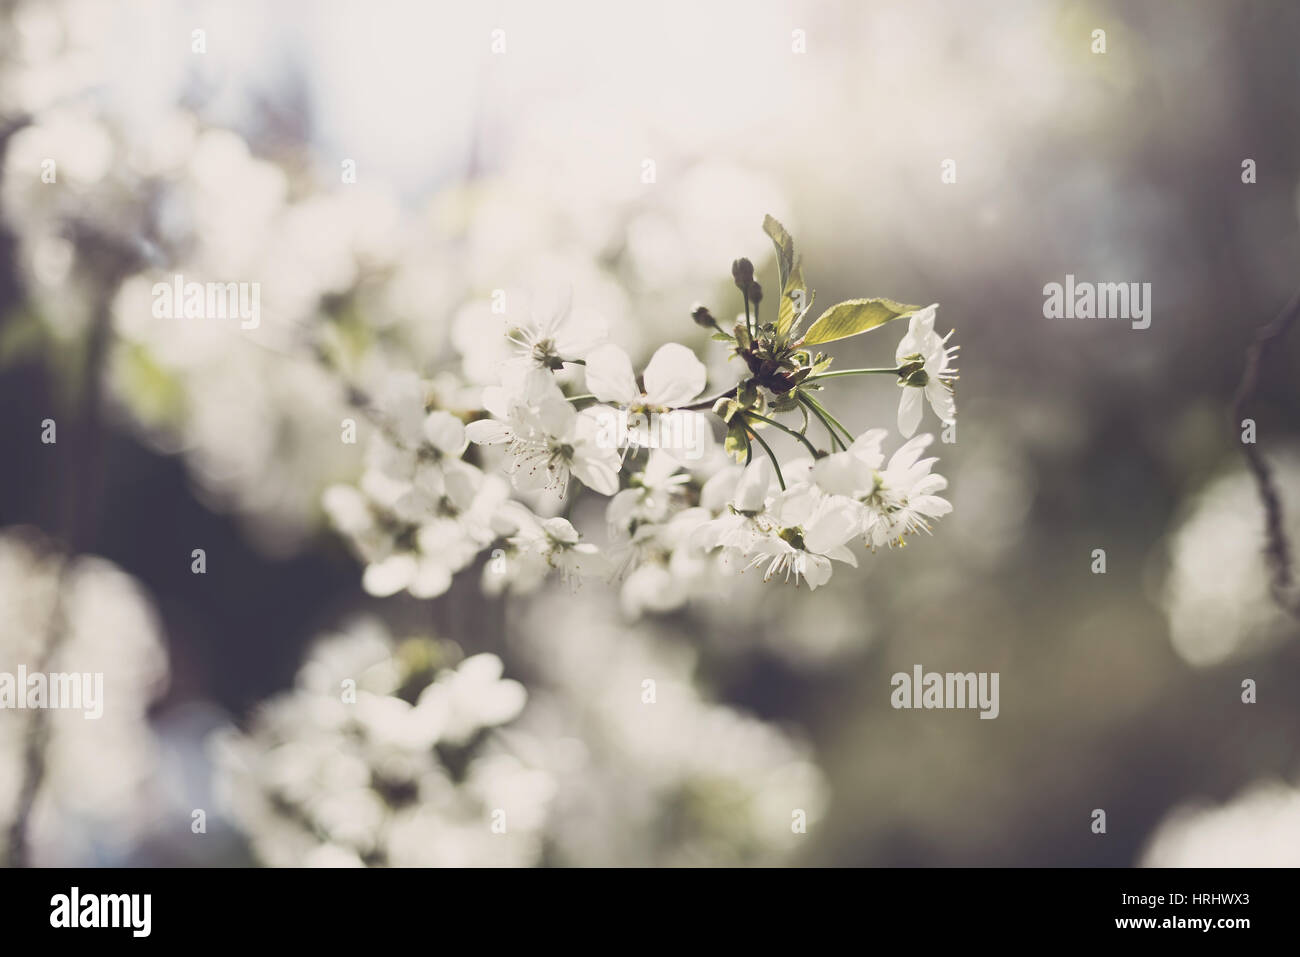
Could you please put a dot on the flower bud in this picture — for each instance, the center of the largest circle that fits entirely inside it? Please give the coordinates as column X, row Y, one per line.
column 704, row 318
column 742, row 271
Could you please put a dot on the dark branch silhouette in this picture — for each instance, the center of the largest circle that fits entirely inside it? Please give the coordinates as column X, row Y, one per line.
column 1277, row 551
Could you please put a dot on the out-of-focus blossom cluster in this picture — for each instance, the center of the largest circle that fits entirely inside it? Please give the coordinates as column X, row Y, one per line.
column 98, row 771
column 388, row 753
column 1216, row 594
column 519, row 338
column 650, row 772
column 385, row 753
column 1258, row 828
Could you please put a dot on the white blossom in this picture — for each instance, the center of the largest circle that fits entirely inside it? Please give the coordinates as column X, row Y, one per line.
column 927, row 359
column 545, row 437
column 894, row 501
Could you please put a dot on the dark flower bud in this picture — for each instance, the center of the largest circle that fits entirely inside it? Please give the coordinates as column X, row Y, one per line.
column 755, row 293
column 742, row 271
column 704, row 318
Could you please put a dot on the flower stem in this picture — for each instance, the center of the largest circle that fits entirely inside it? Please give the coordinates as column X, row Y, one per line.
column 776, row 466
column 821, row 414
column 580, row 398
column 701, row 404
column 841, row 372
column 786, row 429
column 830, row 418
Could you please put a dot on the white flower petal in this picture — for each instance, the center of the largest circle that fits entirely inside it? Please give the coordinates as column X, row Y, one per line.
column 751, row 490
column 941, row 400
column 674, row 376
column 484, row 667
column 867, row 447
column 910, row 406
column 842, row 473
column 488, row 432
column 431, row 579
column 497, row 401
column 389, row 576
column 920, row 333
column 598, row 473
column 610, row 377
column 445, row 432
column 816, row 570
column 831, row 527
column 580, row 334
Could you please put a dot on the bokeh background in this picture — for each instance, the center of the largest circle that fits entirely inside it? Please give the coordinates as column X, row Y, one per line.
column 479, row 170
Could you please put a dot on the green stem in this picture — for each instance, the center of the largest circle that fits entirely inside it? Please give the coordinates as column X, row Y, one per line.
column 700, row 405
column 775, row 464
column 580, row 398
column 786, row 429
column 830, row 418
column 816, row 410
column 840, row 372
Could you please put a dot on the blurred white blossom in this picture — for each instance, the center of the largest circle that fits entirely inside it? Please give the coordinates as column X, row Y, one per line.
column 1258, row 828
column 384, row 754
column 98, row 788
column 1216, row 595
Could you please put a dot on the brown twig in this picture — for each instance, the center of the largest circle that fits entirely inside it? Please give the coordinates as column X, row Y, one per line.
column 111, row 261
column 1277, row 551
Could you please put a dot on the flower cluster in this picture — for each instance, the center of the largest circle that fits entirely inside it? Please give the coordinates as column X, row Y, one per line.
column 386, row 754
column 649, row 769
column 679, row 510
column 402, row 753
column 100, row 774
column 570, row 412
column 798, row 530
column 420, row 512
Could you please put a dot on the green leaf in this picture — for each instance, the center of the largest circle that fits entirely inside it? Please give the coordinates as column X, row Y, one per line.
column 737, row 441
column 740, row 334
column 784, row 243
column 854, row 317
column 726, row 409
column 796, row 300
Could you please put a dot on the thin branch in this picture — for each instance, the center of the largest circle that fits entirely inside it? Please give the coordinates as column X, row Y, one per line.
column 806, row 403
column 786, row 429
column 843, row 372
column 775, row 464
column 110, row 259
column 700, row 405
column 1278, row 549
column 829, row 418
column 18, row 844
